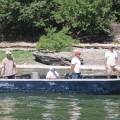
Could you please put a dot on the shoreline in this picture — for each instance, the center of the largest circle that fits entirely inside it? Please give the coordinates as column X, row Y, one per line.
column 92, row 54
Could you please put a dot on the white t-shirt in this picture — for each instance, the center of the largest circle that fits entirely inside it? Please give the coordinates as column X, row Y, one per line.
column 77, row 64
column 52, row 75
column 111, row 56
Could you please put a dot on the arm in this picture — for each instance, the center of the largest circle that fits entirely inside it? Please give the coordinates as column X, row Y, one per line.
column 105, row 61
column 58, row 77
column 116, row 58
column 2, row 71
column 15, row 68
column 72, row 68
column 14, row 65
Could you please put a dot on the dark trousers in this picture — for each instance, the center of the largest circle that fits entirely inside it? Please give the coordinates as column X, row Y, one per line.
column 10, row 77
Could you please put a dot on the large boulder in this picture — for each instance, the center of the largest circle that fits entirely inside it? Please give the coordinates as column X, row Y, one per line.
column 50, row 58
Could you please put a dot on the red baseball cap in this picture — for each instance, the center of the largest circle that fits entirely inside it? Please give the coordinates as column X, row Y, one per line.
column 77, row 52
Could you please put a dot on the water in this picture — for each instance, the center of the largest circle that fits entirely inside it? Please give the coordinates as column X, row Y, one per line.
column 26, row 106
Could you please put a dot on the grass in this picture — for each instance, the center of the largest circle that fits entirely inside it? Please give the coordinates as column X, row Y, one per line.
column 21, row 57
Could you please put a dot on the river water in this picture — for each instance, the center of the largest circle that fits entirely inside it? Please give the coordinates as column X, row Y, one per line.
column 31, row 106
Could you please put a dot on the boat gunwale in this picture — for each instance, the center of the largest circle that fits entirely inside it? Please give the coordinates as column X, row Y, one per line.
column 47, row 80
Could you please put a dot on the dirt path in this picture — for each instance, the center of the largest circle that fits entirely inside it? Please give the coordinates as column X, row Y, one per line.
column 32, row 45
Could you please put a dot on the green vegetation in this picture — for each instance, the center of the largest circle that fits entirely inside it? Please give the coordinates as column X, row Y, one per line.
column 21, row 57
column 56, row 41
column 32, row 17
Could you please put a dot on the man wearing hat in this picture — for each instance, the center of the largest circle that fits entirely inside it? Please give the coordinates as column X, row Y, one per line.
column 76, row 65
column 52, row 74
column 110, row 62
column 8, row 66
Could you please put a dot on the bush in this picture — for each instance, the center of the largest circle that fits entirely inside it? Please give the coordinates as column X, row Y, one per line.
column 56, row 41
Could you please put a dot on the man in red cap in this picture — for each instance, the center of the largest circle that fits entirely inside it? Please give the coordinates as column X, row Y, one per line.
column 76, row 65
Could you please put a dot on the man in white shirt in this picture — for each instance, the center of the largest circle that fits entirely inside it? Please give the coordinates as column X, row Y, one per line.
column 52, row 74
column 76, row 65
column 110, row 62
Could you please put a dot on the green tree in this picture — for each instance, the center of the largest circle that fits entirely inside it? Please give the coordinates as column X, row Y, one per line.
column 9, row 12
column 55, row 41
column 116, row 7
column 85, row 17
column 82, row 17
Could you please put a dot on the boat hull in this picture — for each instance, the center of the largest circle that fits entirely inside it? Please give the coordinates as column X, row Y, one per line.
column 81, row 86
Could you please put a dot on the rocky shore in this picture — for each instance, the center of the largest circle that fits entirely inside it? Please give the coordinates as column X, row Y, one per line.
column 92, row 54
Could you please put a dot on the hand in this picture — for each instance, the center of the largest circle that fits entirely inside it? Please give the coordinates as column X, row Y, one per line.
column 2, row 76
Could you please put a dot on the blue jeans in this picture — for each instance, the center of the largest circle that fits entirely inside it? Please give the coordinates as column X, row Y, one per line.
column 76, row 75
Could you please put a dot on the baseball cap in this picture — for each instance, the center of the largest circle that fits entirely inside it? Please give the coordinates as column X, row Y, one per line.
column 8, row 52
column 77, row 52
column 52, row 67
column 112, row 47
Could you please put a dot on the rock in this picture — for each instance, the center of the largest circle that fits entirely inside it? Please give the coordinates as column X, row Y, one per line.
column 89, row 56
column 61, row 58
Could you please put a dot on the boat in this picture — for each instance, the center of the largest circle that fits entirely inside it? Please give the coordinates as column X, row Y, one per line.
column 88, row 84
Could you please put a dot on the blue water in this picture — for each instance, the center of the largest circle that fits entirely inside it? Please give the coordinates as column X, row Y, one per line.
column 26, row 106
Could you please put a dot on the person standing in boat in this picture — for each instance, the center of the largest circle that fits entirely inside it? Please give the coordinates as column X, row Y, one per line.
column 76, row 65
column 110, row 62
column 52, row 74
column 8, row 66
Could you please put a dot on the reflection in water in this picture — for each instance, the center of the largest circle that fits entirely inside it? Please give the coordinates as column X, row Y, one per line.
column 75, row 110
column 62, row 107
column 6, row 108
column 58, row 107
column 49, row 106
column 112, row 109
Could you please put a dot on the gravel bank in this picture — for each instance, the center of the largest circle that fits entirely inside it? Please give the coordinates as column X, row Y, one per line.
column 92, row 54
column 95, row 56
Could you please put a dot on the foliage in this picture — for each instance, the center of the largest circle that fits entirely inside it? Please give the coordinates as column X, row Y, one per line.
column 55, row 41
column 82, row 17
column 21, row 57
column 85, row 17
column 116, row 7
column 9, row 12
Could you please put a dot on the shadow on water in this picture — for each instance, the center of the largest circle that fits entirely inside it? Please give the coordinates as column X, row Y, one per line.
column 24, row 106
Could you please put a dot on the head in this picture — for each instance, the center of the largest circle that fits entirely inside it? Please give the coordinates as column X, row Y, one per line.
column 77, row 53
column 8, row 53
column 52, row 68
column 111, row 48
